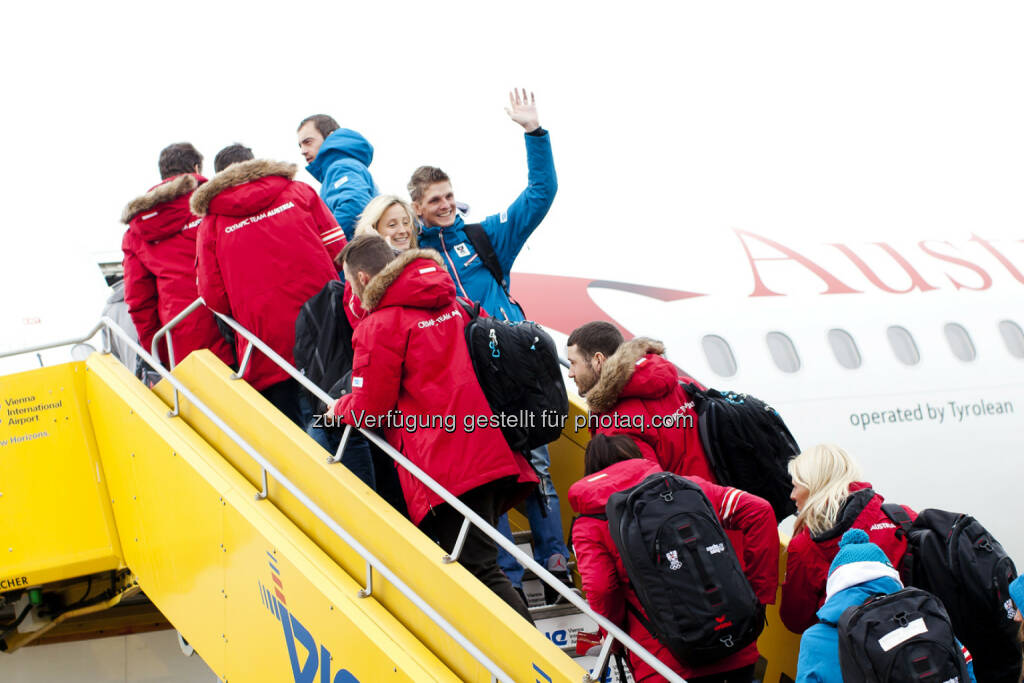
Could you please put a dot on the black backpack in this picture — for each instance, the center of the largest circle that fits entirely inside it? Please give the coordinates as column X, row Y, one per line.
column 747, row 445
column 323, row 339
column 684, row 570
column 954, row 557
column 897, row 637
column 516, row 364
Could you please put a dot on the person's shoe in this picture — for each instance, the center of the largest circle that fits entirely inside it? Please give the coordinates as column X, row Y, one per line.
column 559, row 566
column 519, row 589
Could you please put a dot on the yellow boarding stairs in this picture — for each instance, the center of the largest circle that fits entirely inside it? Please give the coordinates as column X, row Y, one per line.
column 274, row 563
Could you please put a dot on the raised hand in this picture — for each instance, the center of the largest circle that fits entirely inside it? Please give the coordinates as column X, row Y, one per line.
column 523, row 110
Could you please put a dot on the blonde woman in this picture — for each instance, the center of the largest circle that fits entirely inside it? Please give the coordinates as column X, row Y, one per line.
column 830, row 498
column 392, row 219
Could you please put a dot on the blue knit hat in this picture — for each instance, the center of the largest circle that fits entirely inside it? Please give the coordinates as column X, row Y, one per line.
column 1017, row 592
column 856, row 546
column 859, row 561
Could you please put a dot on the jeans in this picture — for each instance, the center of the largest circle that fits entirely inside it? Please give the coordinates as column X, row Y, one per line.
column 547, row 530
column 356, row 457
column 289, row 397
column 374, row 467
column 479, row 553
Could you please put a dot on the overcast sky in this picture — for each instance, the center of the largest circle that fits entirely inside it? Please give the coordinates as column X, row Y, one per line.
column 671, row 122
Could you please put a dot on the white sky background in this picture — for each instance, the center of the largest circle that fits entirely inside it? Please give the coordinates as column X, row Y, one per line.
column 671, row 122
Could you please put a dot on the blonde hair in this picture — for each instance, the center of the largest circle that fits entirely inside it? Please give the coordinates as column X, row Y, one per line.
column 367, row 224
column 826, row 471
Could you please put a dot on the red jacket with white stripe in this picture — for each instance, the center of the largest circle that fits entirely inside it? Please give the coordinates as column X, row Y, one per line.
column 606, row 582
column 266, row 245
column 638, row 394
column 809, row 557
column 160, row 269
column 411, row 355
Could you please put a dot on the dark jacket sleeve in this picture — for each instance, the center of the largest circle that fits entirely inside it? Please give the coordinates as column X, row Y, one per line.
column 140, row 293
column 510, row 229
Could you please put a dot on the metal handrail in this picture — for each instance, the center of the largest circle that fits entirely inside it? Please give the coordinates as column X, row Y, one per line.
column 166, row 330
column 470, row 518
column 112, row 327
column 54, row 345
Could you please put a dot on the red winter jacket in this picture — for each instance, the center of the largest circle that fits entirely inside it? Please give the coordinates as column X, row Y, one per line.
column 266, row 246
column 410, row 354
column 604, row 577
column 638, row 389
column 809, row 557
column 160, row 269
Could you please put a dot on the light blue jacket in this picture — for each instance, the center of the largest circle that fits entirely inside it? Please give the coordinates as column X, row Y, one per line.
column 507, row 230
column 819, row 646
column 342, row 169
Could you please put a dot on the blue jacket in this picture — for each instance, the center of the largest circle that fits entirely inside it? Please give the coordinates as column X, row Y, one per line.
column 819, row 645
column 342, row 169
column 508, row 232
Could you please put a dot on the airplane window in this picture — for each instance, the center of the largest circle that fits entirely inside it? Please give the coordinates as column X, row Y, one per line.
column 719, row 355
column 844, row 348
column 903, row 345
column 1013, row 336
column 960, row 342
column 783, row 352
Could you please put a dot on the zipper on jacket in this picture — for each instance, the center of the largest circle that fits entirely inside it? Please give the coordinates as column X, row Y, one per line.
column 455, row 271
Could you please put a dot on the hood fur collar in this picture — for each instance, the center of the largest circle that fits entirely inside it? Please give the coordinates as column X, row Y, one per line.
column 165, row 192
column 380, row 282
column 617, row 372
column 236, row 174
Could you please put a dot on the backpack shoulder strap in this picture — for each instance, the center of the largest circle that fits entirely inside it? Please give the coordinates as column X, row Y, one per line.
column 907, row 565
column 471, row 308
column 898, row 515
column 572, row 525
column 489, row 258
column 482, row 244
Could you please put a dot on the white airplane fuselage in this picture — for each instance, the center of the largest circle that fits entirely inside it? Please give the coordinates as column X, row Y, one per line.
column 942, row 432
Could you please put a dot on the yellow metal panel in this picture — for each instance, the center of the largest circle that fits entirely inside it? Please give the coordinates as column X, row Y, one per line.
column 55, row 517
column 205, row 549
column 777, row 644
column 520, row 650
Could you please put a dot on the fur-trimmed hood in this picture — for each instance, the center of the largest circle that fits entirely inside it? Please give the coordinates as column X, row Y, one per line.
column 380, row 283
column 619, row 369
column 161, row 194
column 238, row 174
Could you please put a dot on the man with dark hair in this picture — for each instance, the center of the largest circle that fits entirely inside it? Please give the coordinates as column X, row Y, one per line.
column 632, row 389
column 266, row 245
column 179, row 158
column 412, row 367
column 339, row 159
column 160, row 259
column 480, row 258
column 232, row 154
column 591, row 345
